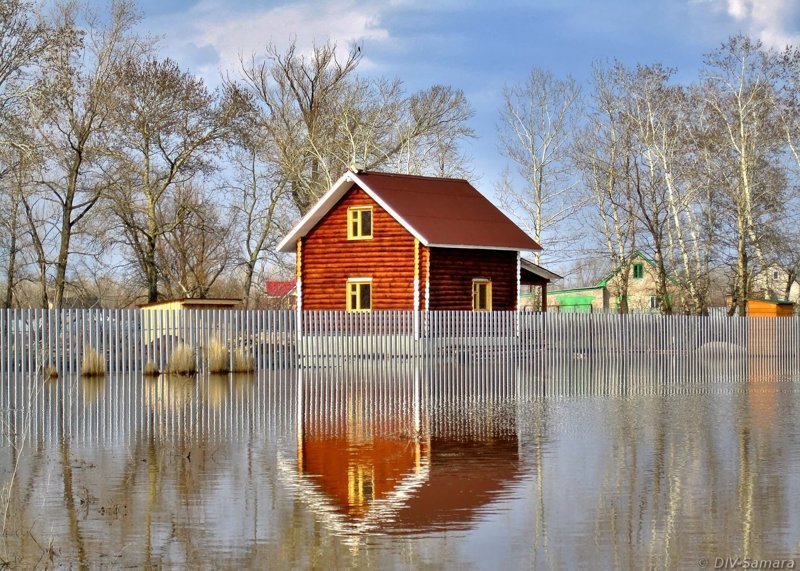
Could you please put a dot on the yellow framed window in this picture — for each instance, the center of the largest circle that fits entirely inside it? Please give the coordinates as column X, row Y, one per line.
column 359, row 223
column 359, row 295
column 481, row 295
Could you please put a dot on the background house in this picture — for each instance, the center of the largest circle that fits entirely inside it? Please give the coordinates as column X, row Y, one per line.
column 773, row 282
column 280, row 294
column 606, row 295
column 407, row 242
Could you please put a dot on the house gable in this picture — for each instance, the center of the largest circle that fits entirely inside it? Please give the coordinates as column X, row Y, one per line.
column 330, row 259
column 642, row 293
column 436, row 211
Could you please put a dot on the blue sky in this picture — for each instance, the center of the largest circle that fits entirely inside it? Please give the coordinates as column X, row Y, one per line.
column 476, row 46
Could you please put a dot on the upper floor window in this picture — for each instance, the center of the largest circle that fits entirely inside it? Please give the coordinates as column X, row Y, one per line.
column 359, row 294
column 359, row 223
column 638, row 271
column 481, row 295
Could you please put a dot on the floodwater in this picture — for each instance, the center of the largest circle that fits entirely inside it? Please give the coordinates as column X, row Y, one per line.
column 567, row 464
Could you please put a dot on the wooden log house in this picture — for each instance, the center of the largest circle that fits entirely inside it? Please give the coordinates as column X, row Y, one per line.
column 378, row 241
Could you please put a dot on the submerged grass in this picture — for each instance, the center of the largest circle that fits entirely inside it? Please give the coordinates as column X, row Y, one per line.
column 218, row 357
column 151, row 369
column 93, row 363
column 243, row 361
column 183, row 361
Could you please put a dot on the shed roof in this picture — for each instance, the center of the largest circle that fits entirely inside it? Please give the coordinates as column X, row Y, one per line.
column 192, row 303
column 537, row 272
column 437, row 211
column 280, row 288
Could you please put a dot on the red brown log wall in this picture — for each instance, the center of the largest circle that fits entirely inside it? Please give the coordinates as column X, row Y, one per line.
column 453, row 269
column 329, row 259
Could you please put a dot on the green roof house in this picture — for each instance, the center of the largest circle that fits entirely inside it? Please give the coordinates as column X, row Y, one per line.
column 642, row 294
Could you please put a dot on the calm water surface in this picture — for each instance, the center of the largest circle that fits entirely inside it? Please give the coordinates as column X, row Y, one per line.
column 564, row 465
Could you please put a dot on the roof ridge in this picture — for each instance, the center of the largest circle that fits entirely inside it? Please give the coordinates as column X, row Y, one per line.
column 404, row 175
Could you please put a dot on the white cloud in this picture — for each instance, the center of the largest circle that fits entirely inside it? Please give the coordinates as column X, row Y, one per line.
column 774, row 22
column 211, row 36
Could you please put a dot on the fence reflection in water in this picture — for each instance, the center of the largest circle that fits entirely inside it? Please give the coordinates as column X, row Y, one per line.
column 128, row 406
column 374, row 445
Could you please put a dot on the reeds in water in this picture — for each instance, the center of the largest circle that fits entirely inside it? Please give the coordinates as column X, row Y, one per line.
column 183, row 361
column 151, row 369
column 93, row 363
column 243, row 361
column 218, row 357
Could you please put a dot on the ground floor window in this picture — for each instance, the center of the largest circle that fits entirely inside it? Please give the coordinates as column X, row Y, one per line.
column 481, row 295
column 654, row 302
column 359, row 294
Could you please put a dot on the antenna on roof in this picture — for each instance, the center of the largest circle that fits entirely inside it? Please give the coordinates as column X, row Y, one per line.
column 356, row 167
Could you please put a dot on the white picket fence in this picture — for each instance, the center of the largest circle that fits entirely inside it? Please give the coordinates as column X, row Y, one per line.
column 129, row 339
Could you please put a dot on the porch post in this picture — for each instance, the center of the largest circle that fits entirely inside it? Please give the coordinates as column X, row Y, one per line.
column 544, row 297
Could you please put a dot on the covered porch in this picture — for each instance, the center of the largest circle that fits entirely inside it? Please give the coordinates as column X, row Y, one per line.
column 533, row 282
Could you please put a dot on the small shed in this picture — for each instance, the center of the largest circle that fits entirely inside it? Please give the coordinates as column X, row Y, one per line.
column 163, row 320
column 769, row 308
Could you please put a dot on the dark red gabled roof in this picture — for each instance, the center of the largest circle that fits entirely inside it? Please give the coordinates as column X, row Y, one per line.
column 448, row 211
column 438, row 211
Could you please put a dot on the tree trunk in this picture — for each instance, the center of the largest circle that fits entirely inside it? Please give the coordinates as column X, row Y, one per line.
column 741, row 274
column 11, row 270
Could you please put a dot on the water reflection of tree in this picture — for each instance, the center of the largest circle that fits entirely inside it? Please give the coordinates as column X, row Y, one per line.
column 682, row 474
column 688, row 477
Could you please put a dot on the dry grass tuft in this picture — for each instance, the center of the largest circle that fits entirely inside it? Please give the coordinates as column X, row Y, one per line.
column 50, row 372
column 183, row 361
column 243, row 361
column 218, row 357
column 93, row 363
column 151, row 369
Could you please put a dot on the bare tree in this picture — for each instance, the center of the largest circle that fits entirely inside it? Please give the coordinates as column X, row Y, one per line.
column 647, row 107
column 69, row 110
column 323, row 118
column 199, row 248
column 695, row 177
column 604, row 154
column 259, row 203
column 537, row 124
column 167, row 128
column 24, row 38
column 13, row 188
column 739, row 81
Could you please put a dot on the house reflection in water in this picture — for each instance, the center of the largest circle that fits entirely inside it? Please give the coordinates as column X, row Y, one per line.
column 373, row 458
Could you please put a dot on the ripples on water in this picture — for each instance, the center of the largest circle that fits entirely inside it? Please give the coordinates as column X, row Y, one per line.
column 563, row 463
